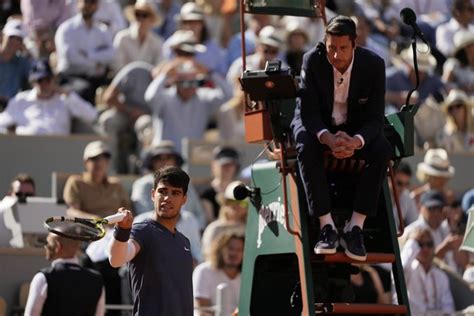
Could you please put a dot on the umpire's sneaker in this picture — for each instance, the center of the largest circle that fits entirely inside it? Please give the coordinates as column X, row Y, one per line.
column 353, row 243
column 327, row 241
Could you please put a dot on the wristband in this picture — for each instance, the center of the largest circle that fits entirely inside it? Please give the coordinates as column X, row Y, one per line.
column 121, row 234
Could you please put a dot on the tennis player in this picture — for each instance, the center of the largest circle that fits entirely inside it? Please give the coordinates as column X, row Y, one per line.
column 159, row 256
column 65, row 288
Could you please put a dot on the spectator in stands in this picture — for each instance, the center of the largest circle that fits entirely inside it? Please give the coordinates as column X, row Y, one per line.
column 384, row 18
column 125, row 98
column 427, row 286
column 270, row 41
column 223, row 265
column 432, row 217
column 232, row 216
column 158, row 256
column 45, row 15
column 84, row 51
column 94, row 194
column 109, row 13
column 22, row 186
column 365, row 39
column 297, row 43
column 467, row 200
column 65, row 287
column 401, row 77
column 458, row 132
column 254, row 23
column 155, row 158
column 230, row 116
column 138, row 42
column 191, row 17
column 456, row 217
column 168, row 9
column 14, row 66
column 224, row 168
column 458, row 71
column 46, row 109
column 368, row 287
column 434, row 173
column 403, row 174
column 461, row 19
column 184, row 96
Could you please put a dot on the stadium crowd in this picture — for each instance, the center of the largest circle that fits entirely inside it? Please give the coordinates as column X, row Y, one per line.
column 149, row 74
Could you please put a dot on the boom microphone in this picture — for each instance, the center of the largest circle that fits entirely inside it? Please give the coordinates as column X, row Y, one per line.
column 408, row 17
column 242, row 192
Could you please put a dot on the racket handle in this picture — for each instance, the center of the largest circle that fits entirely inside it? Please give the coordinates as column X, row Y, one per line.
column 112, row 219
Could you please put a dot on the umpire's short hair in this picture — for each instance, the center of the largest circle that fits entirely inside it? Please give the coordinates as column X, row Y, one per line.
column 173, row 176
column 342, row 25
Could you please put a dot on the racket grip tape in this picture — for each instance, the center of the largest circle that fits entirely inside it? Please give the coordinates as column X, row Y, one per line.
column 112, row 219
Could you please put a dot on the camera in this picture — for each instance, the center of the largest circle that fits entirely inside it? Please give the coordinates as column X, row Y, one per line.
column 192, row 83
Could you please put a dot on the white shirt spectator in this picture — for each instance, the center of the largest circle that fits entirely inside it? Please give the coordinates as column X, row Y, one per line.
column 83, row 51
column 427, row 291
column 110, row 14
column 128, row 48
column 34, row 116
column 438, row 235
column 206, row 279
column 174, row 119
column 39, row 292
column 445, row 34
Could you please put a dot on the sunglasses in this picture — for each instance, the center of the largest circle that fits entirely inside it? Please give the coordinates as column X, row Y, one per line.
column 270, row 51
column 435, row 209
column 454, row 107
column 242, row 203
column 141, row 15
column 90, row 1
column 427, row 244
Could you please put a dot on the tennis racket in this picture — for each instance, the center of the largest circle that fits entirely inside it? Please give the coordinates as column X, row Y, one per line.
column 86, row 229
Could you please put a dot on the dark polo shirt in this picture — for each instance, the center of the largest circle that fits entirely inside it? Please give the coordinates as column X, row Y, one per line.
column 161, row 272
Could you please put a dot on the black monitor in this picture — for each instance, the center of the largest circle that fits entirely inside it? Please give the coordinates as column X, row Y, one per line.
column 273, row 83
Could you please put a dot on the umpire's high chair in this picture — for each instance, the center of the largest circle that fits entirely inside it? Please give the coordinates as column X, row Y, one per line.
column 281, row 275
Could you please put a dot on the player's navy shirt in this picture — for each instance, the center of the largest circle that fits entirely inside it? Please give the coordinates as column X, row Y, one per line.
column 161, row 272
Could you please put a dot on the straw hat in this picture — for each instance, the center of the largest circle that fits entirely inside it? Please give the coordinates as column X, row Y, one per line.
column 455, row 96
column 426, row 61
column 435, row 163
column 462, row 39
column 143, row 5
column 190, row 11
column 296, row 27
column 271, row 36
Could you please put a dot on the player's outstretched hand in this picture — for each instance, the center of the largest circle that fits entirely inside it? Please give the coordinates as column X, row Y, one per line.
column 127, row 221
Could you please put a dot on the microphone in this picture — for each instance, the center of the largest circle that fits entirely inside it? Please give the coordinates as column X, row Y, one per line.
column 340, row 81
column 408, row 17
column 242, row 192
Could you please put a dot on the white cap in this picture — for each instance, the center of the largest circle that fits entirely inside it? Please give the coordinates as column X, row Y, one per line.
column 96, row 148
column 14, row 27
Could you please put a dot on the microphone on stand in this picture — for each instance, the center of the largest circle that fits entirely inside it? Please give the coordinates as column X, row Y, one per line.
column 408, row 17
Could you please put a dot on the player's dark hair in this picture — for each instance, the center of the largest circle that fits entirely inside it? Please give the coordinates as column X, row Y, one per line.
column 173, row 176
column 342, row 25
